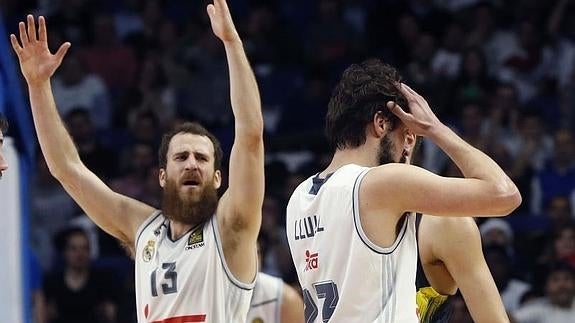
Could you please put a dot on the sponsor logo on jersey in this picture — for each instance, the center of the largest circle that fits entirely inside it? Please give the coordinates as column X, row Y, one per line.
column 307, row 227
column 149, row 250
column 196, row 239
column 311, row 260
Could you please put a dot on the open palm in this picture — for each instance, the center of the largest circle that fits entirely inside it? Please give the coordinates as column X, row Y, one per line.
column 221, row 20
column 36, row 61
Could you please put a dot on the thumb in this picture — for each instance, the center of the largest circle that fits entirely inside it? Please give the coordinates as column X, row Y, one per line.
column 397, row 110
column 62, row 51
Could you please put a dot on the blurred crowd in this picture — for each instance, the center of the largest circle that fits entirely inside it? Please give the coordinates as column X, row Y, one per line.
column 501, row 72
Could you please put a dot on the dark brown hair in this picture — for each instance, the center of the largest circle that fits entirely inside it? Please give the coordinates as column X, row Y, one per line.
column 195, row 129
column 3, row 123
column 363, row 91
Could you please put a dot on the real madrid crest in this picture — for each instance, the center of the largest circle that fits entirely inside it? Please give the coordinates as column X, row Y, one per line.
column 149, row 249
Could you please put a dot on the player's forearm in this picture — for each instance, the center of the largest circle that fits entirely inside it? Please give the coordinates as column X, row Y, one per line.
column 473, row 163
column 56, row 144
column 244, row 92
column 486, row 308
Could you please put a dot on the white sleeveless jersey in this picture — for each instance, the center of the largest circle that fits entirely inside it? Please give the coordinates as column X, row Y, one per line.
column 267, row 300
column 186, row 280
column 344, row 276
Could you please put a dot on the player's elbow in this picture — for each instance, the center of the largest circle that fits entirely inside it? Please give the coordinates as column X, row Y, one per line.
column 507, row 200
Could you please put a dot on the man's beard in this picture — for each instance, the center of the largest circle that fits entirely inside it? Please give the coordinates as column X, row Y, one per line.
column 192, row 209
column 385, row 151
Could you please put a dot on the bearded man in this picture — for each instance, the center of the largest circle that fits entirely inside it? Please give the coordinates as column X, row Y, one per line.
column 196, row 258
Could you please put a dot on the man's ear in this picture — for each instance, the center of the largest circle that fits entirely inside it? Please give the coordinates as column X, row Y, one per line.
column 217, row 179
column 409, row 141
column 162, row 177
column 379, row 124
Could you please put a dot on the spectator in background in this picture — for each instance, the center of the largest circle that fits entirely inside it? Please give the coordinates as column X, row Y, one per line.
column 559, row 213
column 51, row 208
column 473, row 81
column 78, row 292
column 446, row 62
column 497, row 232
column 565, row 245
column 561, row 247
column 144, row 127
column 558, row 304
column 557, row 177
column 138, row 161
column 529, row 62
column 72, row 20
column 330, row 42
column 74, row 87
column 510, row 289
column 156, row 93
column 529, row 148
column 106, row 57
column 101, row 160
column 503, row 111
column 530, row 145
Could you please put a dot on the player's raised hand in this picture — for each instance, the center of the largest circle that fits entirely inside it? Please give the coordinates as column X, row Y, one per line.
column 36, row 61
column 421, row 120
column 221, row 20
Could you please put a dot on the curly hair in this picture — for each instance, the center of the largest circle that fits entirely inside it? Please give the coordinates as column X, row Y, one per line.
column 193, row 128
column 363, row 91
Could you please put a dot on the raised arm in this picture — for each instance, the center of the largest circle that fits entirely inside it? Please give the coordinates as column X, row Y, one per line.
column 456, row 242
column 239, row 212
column 118, row 215
column 485, row 190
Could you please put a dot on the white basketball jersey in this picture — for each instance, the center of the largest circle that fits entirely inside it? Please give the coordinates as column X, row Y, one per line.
column 344, row 276
column 267, row 300
column 186, row 280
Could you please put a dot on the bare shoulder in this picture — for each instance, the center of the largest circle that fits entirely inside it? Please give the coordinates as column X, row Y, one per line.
column 376, row 182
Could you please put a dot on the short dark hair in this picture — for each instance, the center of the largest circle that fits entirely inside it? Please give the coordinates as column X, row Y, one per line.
column 195, row 129
column 364, row 90
column 3, row 123
column 559, row 266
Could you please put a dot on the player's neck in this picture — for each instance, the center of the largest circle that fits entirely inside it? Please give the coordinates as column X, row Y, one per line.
column 179, row 229
column 362, row 156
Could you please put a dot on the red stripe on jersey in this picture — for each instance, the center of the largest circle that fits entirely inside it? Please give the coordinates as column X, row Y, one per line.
column 184, row 319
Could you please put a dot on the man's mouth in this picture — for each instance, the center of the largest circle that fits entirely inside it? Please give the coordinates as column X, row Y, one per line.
column 191, row 183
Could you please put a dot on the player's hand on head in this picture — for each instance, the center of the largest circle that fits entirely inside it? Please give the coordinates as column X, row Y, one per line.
column 36, row 61
column 421, row 120
column 221, row 20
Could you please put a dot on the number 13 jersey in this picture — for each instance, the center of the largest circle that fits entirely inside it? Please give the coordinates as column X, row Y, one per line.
column 186, row 280
column 344, row 276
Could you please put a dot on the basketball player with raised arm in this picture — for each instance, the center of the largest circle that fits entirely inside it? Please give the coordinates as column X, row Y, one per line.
column 196, row 258
column 351, row 227
column 3, row 129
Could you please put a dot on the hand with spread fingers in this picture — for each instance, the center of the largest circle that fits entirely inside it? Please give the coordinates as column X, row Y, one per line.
column 36, row 61
column 421, row 119
column 221, row 20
